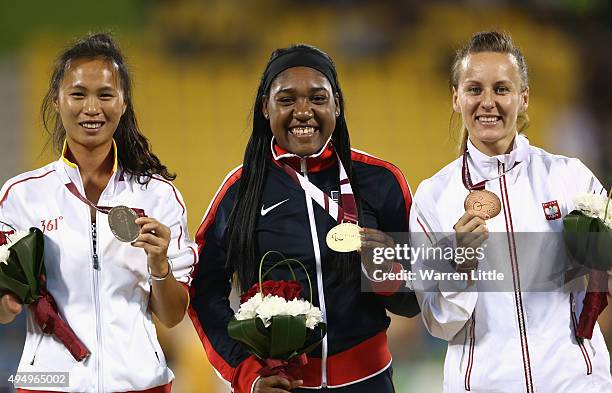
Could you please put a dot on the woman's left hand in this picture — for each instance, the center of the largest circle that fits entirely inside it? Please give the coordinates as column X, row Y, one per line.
column 370, row 239
column 154, row 238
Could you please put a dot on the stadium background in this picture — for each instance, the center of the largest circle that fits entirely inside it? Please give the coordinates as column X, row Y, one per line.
column 196, row 66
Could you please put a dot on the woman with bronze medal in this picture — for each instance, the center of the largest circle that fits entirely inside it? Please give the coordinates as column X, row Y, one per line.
column 116, row 247
column 303, row 192
column 519, row 338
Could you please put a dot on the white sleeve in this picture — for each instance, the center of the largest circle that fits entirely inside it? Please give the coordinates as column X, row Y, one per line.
column 182, row 251
column 581, row 179
column 445, row 308
column 8, row 213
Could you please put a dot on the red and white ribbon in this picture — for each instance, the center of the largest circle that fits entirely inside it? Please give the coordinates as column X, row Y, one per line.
column 345, row 213
column 102, row 209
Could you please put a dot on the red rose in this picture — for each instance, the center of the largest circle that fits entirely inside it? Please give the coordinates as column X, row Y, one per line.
column 288, row 290
column 249, row 294
column 271, row 288
column 292, row 290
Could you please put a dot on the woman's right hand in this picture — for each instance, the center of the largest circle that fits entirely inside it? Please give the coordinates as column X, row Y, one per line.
column 276, row 384
column 471, row 231
column 9, row 308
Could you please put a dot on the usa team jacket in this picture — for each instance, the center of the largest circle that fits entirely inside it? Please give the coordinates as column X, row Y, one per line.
column 513, row 341
column 355, row 347
column 106, row 302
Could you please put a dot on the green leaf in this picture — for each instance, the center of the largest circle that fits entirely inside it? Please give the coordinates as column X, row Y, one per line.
column 25, row 266
column 13, row 269
column 9, row 284
column 588, row 240
column 288, row 335
column 252, row 334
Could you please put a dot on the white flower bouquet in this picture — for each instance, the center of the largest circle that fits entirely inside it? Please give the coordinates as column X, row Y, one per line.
column 269, row 306
column 23, row 274
column 276, row 325
column 588, row 231
column 595, row 206
column 7, row 239
column 588, row 236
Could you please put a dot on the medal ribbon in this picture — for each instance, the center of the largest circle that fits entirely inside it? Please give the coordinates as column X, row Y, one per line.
column 345, row 213
column 102, row 209
column 467, row 179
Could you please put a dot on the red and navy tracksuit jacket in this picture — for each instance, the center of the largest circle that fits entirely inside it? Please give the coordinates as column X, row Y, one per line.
column 355, row 347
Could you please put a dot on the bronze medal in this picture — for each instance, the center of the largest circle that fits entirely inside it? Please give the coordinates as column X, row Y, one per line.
column 122, row 222
column 483, row 201
column 344, row 237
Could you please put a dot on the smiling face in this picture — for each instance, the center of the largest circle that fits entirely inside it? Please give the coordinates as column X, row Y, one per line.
column 302, row 110
column 90, row 102
column 489, row 95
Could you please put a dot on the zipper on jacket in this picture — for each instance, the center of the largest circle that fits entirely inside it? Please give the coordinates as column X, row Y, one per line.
column 94, row 235
column 317, row 253
column 580, row 340
column 96, row 288
column 518, row 297
column 152, row 344
column 42, row 335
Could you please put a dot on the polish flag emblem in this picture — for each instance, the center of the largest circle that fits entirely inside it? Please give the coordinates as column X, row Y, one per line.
column 551, row 210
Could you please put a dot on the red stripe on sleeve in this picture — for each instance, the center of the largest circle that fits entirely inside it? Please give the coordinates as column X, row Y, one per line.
column 22, row 181
column 399, row 176
column 210, row 215
column 178, row 242
column 173, row 189
column 424, row 230
column 226, row 371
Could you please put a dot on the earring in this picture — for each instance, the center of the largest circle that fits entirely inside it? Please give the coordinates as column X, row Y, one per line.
column 266, row 116
column 337, row 113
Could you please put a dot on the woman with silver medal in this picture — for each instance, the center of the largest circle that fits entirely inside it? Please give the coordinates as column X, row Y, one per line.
column 519, row 338
column 118, row 250
column 301, row 184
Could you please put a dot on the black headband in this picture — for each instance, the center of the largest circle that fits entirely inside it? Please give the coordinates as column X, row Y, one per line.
column 300, row 57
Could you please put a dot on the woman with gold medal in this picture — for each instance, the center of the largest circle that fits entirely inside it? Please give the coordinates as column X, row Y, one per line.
column 300, row 185
column 509, row 197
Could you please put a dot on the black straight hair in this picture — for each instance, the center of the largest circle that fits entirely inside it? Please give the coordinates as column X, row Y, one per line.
column 242, row 247
column 133, row 150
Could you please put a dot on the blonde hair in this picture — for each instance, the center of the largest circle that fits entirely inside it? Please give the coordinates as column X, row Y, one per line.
column 488, row 41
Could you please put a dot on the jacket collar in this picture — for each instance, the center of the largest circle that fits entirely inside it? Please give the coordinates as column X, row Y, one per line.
column 69, row 171
column 483, row 167
column 321, row 160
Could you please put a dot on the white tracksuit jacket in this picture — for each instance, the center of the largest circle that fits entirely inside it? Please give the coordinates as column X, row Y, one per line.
column 511, row 341
column 108, row 308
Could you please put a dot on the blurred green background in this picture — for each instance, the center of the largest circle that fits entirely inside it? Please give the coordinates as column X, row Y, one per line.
column 196, row 66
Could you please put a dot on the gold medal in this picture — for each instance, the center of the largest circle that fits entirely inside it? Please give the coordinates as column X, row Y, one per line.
column 122, row 222
column 344, row 237
column 483, row 201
